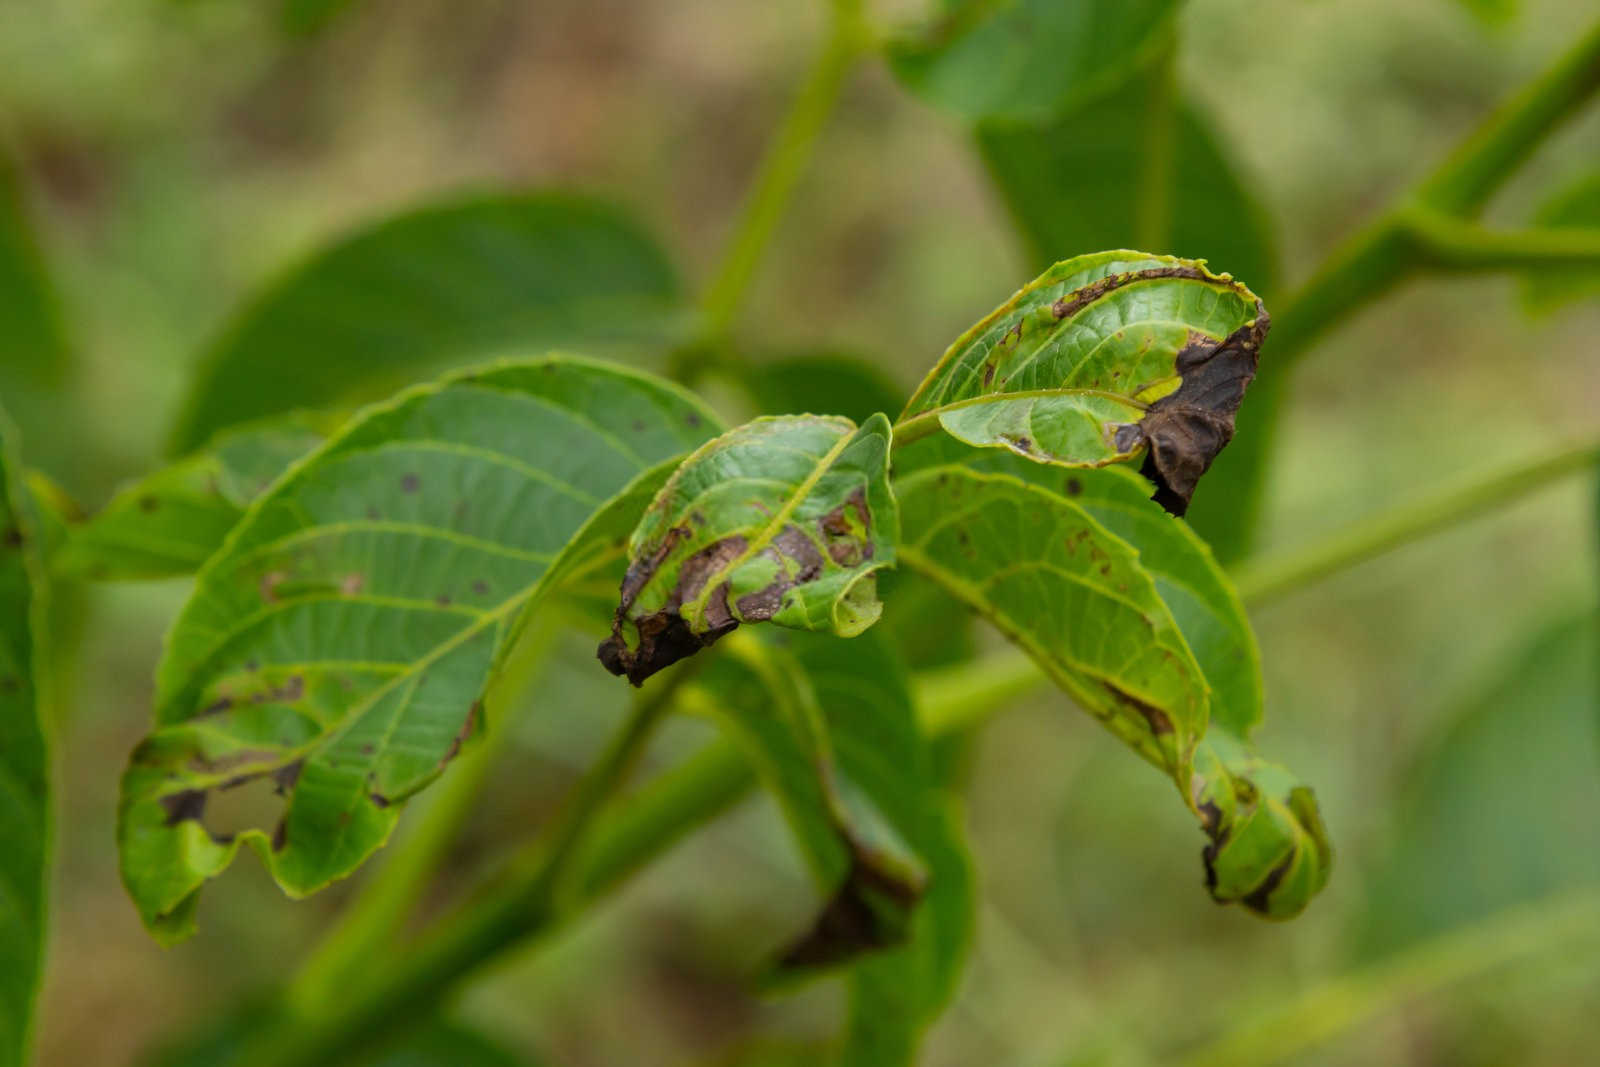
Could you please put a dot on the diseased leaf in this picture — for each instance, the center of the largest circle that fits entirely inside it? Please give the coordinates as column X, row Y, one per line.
column 1500, row 809
column 1100, row 153
column 169, row 522
column 1268, row 848
column 24, row 766
column 337, row 645
column 784, row 519
column 442, row 284
column 1027, row 59
column 1577, row 206
column 830, row 727
column 1069, row 593
column 1101, row 358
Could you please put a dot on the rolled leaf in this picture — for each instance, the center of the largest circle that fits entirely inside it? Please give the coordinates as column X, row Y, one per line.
column 782, row 520
column 24, row 767
column 337, row 646
column 1027, row 59
column 169, row 522
column 1268, row 849
column 443, row 284
column 1098, row 360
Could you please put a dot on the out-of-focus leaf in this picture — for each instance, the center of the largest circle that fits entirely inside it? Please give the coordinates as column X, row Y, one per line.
column 784, row 519
column 1027, row 59
column 1492, row 12
column 338, row 643
column 24, row 767
column 433, row 1043
column 33, row 344
column 1073, row 182
column 1158, row 617
column 824, row 383
column 442, row 284
column 1500, row 810
column 170, row 522
column 1577, row 205
column 306, row 18
column 871, row 824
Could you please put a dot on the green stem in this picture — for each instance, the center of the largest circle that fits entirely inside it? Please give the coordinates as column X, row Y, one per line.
column 1463, row 183
column 1446, row 243
column 1288, row 1032
column 785, row 161
column 1266, row 579
column 526, row 904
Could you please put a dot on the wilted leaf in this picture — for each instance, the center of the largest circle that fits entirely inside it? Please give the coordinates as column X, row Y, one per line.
column 1577, row 205
column 337, row 646
column 1099, row 359
column 446, row 283
column 1027, row 59
column 169, row 522
column 24, row 767
column 782, row 519
column 1500, row 809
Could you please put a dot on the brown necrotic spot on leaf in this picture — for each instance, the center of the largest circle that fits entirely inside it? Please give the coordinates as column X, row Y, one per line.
column 188, row 804
column 410, row 483
column 664, row 636
column 847, row 530
column 1159, row 722
column 1259, row 899
column 1186, row 429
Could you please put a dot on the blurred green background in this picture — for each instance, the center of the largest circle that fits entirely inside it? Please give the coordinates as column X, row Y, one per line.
column 177, row 155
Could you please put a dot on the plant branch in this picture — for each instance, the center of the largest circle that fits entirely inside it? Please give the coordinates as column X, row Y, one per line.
column 1463, row 183
column 784, row 163
column 1287, row 1032
column 1447, row 243
column 1266, row 579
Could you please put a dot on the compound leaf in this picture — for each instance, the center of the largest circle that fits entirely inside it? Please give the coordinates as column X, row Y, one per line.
column 169, row 522
column 784, row 519
column 445, row 283
column 337, row 645
column 1027, row 59
column 1098, row 360
column 24, row 766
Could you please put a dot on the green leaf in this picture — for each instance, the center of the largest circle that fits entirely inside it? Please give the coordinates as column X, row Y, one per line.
column 446, row 283
column 784, row 519
column 1027, row 59
column 307, row 18
column 830, row 728
column 338, row 643
column 823, row 383
column 1098, row 360
column 1095, row 546
column 1067, row 591
column 1576, row 205
column 1492, row 12
column 33, row 344
column 24, row 766
column 170, row 522
column 1500, row 809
